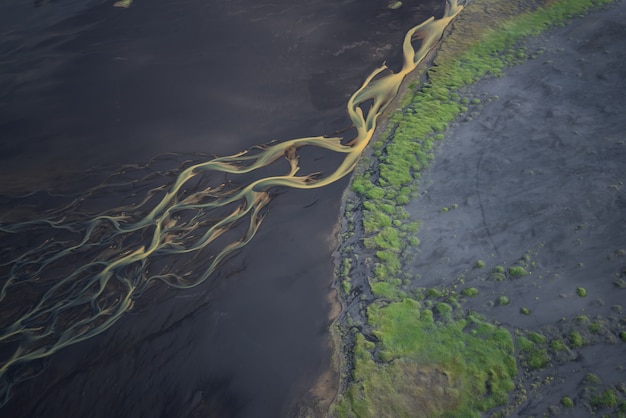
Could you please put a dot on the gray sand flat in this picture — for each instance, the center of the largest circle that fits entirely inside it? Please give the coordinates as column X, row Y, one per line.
column 540, row 171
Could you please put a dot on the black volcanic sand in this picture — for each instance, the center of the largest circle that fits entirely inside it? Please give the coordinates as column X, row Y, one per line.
column 534, row 176
column 85, row 88
column 87, row 84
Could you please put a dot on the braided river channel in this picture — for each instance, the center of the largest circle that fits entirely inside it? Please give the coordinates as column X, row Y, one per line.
column 170, row 180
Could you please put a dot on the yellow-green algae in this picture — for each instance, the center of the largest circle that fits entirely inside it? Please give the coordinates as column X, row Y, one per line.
column 408, row 360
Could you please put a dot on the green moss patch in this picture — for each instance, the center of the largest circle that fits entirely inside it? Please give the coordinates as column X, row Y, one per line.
column 518, row 271
column 576, row 340
column 606, row 399
column 459, row 368
column 533, row 351
column 533, row 356
column 557, row 346
column 470, row 291
column 592, row 379
column 503, row 300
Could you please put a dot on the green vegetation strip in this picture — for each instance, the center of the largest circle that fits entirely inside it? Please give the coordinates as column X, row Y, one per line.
column 427, row 365
column 407, row 357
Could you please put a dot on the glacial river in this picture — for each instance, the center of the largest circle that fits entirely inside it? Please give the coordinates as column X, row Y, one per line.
column 170, row 177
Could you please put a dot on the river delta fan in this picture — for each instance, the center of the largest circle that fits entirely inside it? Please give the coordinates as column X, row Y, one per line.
column 71, row 273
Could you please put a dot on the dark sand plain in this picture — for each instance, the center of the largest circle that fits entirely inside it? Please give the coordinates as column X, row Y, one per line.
column 87, row 88
column 533, row 176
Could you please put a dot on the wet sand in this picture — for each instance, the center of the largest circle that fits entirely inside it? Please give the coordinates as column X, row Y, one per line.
column 534, row 175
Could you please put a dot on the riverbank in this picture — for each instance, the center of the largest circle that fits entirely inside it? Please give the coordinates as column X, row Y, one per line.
column 495, row 285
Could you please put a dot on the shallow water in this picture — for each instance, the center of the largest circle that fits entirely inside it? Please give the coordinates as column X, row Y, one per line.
column 88, row 88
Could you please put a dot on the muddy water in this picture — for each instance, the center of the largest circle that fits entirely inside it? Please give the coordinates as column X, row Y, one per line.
column 87, row 88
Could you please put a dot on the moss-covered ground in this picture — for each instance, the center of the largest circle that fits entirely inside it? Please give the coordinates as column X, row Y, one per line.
column 421, row 352
column 427, row 360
